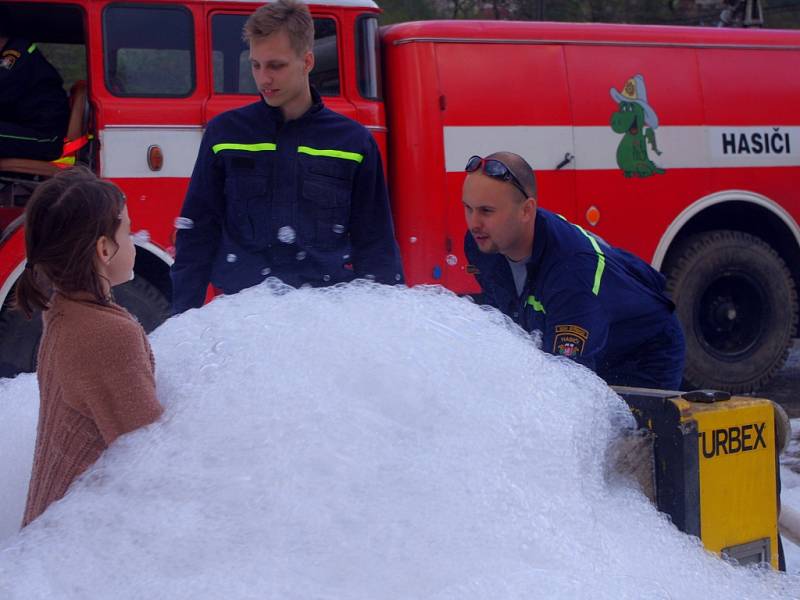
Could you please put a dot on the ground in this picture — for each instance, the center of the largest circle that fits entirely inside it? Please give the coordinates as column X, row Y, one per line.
column 785, row 387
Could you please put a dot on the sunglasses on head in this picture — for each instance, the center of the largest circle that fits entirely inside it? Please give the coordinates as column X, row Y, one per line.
column 496, row 170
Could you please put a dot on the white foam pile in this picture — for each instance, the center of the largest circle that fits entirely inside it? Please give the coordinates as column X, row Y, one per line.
column 359, row 442
column 790, row 493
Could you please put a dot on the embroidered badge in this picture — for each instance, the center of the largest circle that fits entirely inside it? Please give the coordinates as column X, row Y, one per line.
column 570, row 340
column 473, row 270
column 8, row 59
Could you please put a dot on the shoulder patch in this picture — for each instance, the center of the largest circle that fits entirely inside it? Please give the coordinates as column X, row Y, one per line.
column 8, row 59
column 569, row 340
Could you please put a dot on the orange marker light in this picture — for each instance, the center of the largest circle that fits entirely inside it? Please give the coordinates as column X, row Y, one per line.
column 593, row 215
column 155, row 158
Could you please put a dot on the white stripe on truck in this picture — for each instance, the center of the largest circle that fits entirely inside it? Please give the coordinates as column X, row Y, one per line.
column 123, row 150
column 595, row 148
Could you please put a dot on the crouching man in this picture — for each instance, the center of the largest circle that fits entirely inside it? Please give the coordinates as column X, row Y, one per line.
column 596, row 304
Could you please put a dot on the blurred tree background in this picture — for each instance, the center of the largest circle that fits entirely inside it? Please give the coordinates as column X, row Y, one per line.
column 775, row 14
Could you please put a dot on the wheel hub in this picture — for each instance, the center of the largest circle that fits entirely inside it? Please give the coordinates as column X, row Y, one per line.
column 731, row 315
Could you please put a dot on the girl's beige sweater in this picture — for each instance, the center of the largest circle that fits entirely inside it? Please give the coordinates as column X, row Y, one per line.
column 96, row 377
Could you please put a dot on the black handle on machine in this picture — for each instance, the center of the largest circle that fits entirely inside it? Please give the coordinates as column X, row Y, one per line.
column 706, row 396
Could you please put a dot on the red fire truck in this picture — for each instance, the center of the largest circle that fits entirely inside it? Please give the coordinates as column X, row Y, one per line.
column 679, row 144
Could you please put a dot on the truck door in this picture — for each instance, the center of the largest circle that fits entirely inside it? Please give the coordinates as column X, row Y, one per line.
column 150, row 96
column 639, row 142
column 503, row 96
column 229, row 67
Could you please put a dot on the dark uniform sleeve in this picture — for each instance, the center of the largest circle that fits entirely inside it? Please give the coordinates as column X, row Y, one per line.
column 15, row 67
column 375, row 252
column 576, row 324
column 196, row 246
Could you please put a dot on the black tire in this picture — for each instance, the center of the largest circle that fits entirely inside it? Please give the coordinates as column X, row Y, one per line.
column 19, row 338
column 143, row 301
column 19, row 342
column 737, row 302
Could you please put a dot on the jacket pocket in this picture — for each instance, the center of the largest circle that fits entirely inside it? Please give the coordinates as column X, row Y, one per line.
column 327, row 189
column 247, row 208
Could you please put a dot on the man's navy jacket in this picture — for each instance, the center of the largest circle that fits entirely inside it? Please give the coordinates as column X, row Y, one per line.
column 303, row 200
column 592, row 302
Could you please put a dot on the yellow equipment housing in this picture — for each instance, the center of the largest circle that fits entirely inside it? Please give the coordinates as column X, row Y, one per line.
column 715, row 468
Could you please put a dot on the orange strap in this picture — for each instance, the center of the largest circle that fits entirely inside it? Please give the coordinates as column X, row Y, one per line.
column 71, row 148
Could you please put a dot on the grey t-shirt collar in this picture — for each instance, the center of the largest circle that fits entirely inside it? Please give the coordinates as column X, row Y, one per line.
column 519, row 269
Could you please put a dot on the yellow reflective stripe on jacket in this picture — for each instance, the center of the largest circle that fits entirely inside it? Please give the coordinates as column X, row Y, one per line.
column 354, row 156
column 31, row 48
column 601, row 260
column 67, row 160
column 263, row 147
column 537, row 306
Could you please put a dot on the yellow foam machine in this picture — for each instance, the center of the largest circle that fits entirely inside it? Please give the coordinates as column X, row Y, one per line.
column 715, row 468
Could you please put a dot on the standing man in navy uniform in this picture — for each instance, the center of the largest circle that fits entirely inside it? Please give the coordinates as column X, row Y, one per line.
column 283, row 187
column 599, row 305
column 34, row 110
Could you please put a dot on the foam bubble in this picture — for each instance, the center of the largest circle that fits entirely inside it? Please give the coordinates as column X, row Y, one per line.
column 141, row 237
column 183, row 223
column 286, row 234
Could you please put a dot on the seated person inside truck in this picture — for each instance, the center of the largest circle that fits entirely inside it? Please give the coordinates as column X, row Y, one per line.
column 599, row 305
column 34, row 110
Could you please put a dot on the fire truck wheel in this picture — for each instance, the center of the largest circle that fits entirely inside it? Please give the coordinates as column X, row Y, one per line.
column 144, row 301
column 737, row 302
column 19, row 338
column 19, row 342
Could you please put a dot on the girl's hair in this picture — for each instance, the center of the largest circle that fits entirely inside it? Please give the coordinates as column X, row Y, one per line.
column 64, row 218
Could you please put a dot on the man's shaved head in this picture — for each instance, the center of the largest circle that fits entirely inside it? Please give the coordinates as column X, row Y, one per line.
column 499, row 218
column 520, row 168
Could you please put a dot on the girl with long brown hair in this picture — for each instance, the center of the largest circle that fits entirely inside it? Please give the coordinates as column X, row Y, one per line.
column 95, row 368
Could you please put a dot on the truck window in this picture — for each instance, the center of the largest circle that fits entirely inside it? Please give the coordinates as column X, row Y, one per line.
column 68, row 59
column 368, row 58
column 231, row 62
column 57, row 30
column 149, row 50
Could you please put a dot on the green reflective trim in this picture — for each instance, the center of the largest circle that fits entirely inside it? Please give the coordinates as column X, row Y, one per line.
column 266, row 146
column 31, row 48
column 537, row 306
column 354, row 156
column 28, row 139
column 601, row 260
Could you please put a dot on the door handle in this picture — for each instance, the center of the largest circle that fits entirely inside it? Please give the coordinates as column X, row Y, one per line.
column 567, row 159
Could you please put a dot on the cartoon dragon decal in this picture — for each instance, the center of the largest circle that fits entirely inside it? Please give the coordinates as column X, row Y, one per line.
column 637, row 122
